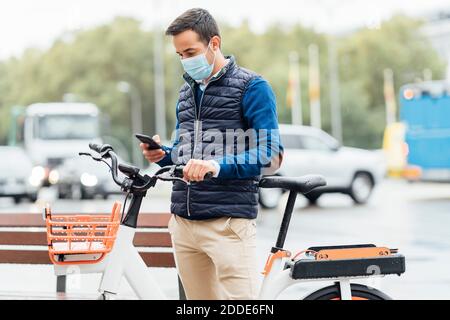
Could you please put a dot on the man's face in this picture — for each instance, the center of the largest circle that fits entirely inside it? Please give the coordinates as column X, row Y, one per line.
column 188, row 44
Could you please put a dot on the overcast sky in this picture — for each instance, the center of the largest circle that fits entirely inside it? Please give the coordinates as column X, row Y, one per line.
column 36, row 23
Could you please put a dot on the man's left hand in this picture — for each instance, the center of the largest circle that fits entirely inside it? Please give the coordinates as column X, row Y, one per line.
column 195, row 170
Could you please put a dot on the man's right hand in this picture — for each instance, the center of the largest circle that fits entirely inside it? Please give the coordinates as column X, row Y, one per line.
column 152, row 155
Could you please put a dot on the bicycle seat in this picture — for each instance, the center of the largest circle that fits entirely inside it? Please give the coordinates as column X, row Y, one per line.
column 303, row 184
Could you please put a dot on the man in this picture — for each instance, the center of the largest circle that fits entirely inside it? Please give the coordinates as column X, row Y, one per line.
column 213, row 223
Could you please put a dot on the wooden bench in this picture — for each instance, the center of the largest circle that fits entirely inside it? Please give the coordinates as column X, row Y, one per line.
column 23, row 240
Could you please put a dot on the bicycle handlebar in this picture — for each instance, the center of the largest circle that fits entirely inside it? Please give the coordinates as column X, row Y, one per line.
column 106, row 151
column 95, row 147
column 100, row 148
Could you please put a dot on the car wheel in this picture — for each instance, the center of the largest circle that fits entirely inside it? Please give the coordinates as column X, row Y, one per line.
column 85, row 195
column 312, row 198
column 269, row 198
column 361, row 187
column 33, row 197
column 17, row 200
column 62, row 194
column 76, row 192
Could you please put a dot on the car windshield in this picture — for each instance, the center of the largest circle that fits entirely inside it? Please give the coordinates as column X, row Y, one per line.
column 297, row 141
column 291, row 141
column 314, row 143
column 66, row 127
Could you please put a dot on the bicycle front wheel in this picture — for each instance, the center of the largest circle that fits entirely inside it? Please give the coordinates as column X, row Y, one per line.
column 359, row 292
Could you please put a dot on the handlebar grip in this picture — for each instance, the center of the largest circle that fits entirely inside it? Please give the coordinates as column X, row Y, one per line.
column 96, row 147
column 208, row 175
column 178, row 172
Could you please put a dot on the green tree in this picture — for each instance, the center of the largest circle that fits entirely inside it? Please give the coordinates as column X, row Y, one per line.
column 399, row 45
column 91, row 62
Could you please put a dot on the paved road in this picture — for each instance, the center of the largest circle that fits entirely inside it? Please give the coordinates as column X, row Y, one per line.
column 412, row 217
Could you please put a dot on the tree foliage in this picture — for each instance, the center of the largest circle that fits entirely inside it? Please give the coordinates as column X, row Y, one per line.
column 90, row 63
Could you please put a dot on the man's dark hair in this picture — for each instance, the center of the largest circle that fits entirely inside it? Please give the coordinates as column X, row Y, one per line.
column 198, row 20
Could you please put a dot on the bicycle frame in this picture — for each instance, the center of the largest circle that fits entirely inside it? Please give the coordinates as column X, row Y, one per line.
column 124, row 259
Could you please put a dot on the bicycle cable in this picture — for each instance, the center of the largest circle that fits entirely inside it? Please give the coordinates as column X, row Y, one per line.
column 124, row 205
column 302, row 252
column 109, row 166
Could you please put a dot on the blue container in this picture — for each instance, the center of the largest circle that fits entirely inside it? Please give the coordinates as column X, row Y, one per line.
column 425, row 110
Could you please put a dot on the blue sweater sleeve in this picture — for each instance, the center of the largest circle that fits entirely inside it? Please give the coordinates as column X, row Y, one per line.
column 167, row 160
column 259, row 109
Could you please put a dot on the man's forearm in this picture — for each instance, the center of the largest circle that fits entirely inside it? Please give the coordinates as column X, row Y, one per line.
column 251, row 163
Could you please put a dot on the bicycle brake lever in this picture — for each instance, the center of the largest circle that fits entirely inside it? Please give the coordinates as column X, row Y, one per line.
column 169, row 178
column 90, row 155
column 97, row 158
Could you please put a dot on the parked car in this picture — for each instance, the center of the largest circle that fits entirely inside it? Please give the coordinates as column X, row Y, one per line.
column 82, row 178
column 18, row 178
column 309, row 150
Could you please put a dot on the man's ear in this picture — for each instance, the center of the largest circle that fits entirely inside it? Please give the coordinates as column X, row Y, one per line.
column 216, row 42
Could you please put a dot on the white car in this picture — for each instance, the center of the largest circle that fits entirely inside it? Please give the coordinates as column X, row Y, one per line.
column 18, row 178
column 309, row 150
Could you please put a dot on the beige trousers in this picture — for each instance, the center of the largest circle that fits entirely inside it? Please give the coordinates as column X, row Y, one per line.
column 216, row 258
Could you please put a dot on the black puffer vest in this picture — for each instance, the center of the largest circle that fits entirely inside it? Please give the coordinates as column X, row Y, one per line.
column 219, row 109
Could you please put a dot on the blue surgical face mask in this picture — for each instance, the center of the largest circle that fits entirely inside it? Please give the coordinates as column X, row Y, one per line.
column 198, row 67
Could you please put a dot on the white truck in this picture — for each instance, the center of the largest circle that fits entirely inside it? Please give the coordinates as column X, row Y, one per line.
column 53, row 132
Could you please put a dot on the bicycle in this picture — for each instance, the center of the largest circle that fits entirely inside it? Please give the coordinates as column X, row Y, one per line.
column 104, row 244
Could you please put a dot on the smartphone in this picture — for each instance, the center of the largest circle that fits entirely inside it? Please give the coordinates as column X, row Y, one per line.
column 152, row 144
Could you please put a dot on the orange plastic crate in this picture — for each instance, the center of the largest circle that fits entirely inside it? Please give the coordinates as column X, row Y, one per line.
column 83, row 235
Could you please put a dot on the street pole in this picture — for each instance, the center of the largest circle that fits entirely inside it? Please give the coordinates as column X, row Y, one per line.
column 389, row 96
column 158, row 68
column 136, row 123
column 314, row 86
column 136, row 118
column 335, row 101
column 295, row 89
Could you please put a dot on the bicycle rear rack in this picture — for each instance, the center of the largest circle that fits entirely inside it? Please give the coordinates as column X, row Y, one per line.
column 362, row 260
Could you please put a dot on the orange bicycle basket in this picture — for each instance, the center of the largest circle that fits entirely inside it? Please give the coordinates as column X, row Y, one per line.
column 86, row 238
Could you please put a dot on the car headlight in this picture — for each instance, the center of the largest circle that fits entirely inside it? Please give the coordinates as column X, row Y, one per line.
column 88, row 180
column 53, row 177
column 37, row 175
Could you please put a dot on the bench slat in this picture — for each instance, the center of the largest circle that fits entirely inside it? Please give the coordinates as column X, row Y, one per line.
column 23, row 238
column 152, row 259
column 38, row 238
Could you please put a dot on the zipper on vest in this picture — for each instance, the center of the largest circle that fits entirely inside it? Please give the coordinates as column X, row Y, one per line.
column 187, row 200
column 192, row 151
column 193, row 145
